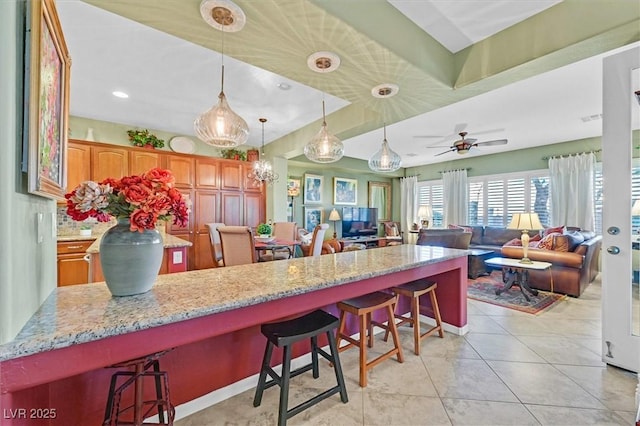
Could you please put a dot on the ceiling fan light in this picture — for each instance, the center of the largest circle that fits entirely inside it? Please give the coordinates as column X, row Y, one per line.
column 221, row 127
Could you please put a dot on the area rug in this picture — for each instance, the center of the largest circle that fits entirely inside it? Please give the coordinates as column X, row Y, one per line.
column 484, row 290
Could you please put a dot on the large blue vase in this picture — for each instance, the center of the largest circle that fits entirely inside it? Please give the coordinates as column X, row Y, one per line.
column 130, row 260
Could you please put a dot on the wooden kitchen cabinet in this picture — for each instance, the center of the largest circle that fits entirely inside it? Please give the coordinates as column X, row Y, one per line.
column 109, row 162
column 143, row 161
column 253, row 207
column 231, row 212
column 72, row 266
column 182, row 168
column 207, row 171
column 78, row 165
column 231, row 175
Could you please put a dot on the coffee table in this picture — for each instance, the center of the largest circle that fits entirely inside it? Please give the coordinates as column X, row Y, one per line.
column 514, row 272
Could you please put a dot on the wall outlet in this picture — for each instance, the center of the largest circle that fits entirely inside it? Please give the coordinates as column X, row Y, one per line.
column 177, row 257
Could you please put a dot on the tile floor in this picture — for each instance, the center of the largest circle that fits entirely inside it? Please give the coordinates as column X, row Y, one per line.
column 512, row 368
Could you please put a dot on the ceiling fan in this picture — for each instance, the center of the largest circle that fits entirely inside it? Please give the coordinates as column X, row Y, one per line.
column 463, row 145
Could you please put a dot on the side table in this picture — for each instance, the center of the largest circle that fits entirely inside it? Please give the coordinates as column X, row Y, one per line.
column 515, row 272
column 475, row 262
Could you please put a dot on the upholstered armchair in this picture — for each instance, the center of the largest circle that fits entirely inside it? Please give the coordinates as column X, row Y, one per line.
column 214, row 238
column 237, row 244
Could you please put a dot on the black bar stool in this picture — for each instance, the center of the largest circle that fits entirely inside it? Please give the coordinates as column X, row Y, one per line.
column 284, row 334
column 414, row 290
column 143, row 367
column 363, row 307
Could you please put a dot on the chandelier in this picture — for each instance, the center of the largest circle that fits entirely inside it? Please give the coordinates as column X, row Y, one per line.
column 220, row 126
column 324, row 147
column 385, row 160
column 262, row 170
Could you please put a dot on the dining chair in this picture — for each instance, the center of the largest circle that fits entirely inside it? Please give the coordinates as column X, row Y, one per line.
column 318, row 239
column 281, row 231
column 237, row 245
column 214, row 238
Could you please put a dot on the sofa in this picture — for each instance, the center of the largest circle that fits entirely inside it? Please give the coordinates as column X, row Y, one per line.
column 573, row 253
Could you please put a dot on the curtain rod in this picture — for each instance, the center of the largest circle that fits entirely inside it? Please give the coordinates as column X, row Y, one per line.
column 595, row 151
column 455, row 170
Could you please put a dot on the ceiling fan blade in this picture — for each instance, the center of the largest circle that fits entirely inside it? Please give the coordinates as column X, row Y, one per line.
column 493, row 143
column 449, row 150
column 440, row 146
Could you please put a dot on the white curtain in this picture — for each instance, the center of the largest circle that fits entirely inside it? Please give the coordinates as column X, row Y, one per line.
column 455, row 192
column 571, row 189
column 408, row 202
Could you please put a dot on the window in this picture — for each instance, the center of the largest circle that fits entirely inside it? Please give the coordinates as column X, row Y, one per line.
column 494, row 199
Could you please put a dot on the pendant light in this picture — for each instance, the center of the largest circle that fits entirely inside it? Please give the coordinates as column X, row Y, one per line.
column 385, row 160
column 262, row 170
column 220, row 126
column 324, row 147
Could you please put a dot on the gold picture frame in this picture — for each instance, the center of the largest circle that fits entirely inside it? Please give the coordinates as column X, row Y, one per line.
column 47, row 95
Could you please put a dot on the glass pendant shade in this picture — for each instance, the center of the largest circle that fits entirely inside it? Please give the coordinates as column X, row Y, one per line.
column 385, row 160
column 324, row 147
column 262, row 170
column 221, row 127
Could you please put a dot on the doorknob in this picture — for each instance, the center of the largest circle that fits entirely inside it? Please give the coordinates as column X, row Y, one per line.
column 613, row 250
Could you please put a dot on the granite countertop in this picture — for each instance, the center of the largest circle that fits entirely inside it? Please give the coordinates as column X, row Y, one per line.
column 84, row 313
column 169, row 241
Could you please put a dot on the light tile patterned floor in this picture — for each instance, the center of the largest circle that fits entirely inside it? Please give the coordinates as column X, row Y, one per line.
column 511, row 369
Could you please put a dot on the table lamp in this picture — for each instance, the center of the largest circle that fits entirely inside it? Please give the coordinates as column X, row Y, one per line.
column 525, row 222
column 334, row 216
column 425, row 213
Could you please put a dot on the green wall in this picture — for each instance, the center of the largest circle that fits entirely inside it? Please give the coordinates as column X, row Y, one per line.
column 27, row 268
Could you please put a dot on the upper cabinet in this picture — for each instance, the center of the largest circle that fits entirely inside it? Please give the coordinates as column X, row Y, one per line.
column 143, row 161
column 207, row 171
column 79, row 162
column 182, row 167
column 109, row 162
column 231, row 175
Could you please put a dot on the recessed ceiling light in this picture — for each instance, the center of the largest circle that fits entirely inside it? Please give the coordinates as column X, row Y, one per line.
column 283, row 86
column 323, row 62
column 385, row 90
column 119, row 94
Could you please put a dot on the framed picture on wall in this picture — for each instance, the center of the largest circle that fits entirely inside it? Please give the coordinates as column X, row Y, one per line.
column 345, row 191
column 313, row 186
column 47, row 92
column 312, row 217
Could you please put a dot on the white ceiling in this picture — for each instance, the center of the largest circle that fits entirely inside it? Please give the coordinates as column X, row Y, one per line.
column 171, row 81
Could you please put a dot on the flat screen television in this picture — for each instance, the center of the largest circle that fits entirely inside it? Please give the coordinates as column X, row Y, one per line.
column 359, row 221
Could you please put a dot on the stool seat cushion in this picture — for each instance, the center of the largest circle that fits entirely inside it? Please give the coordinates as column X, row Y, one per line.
column 414, row 286
column 368, row 300
column 289, row 331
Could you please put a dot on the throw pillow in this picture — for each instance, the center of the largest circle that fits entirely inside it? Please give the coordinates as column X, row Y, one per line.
column 546, row 243
column 516, row 242
column 575, row 239
column 536, row 237
column 548, row 231
column 561, row 243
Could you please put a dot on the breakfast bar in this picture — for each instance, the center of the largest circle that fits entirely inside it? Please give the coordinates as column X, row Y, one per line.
column 209, row 317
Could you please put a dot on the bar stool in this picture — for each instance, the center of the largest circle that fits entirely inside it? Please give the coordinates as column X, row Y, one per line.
column 363, row 306
column 414, row 290
column 284, row 334
column 147, row 366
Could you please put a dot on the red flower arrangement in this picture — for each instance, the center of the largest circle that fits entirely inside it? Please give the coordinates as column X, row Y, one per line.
column 143, row 199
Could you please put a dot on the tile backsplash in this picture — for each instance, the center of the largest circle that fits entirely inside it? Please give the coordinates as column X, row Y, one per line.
column 69, row 227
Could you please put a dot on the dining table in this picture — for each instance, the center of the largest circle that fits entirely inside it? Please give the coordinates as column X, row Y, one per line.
column 277, row 244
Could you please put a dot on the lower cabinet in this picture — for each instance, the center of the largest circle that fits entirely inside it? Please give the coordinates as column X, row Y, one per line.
column 73, row 267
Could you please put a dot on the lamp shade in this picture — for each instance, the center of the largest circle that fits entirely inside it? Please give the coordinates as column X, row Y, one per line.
column 525, row 221
column 324, row 147
column 425, row 212
column 334, row 215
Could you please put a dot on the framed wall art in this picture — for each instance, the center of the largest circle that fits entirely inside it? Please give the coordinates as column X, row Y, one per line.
column 345, row 191
column 313, row 186
column 47, row 99
column 312, row 217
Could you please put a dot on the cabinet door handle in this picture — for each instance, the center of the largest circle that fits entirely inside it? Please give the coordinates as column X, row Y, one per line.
column 74, row 247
